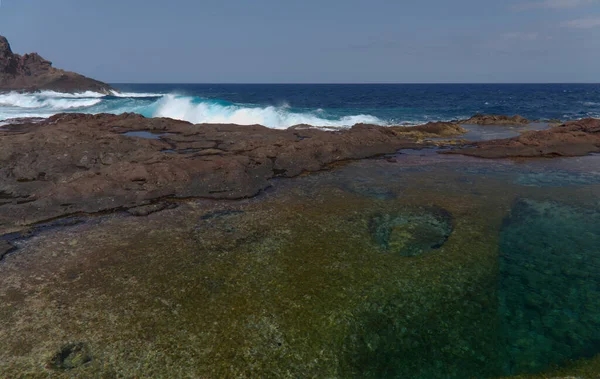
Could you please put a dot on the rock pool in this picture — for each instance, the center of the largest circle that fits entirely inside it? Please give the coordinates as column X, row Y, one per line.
column 415, row 266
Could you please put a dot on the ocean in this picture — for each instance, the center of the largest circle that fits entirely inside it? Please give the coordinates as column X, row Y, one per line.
column 331, row 105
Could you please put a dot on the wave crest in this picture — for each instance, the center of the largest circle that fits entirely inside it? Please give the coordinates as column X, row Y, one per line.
column 278, row 117
column 193, row 109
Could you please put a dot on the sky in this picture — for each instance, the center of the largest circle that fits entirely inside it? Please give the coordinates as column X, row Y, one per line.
column 312, row 41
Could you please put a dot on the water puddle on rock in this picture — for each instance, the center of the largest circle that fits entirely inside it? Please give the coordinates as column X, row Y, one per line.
column 145, row 134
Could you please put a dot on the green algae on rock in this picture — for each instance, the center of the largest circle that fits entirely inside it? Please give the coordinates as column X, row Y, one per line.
column 70, row 356
column 288, row 284
column 413, row 232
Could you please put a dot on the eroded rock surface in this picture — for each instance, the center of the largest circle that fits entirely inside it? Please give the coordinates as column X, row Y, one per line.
column 575, row 138
column 31, row 72
column 481, row 119
column 432, row 130
column 74, row 163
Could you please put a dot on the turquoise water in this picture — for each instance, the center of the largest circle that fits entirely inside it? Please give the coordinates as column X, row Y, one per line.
column 538, row 309
column 550, row 284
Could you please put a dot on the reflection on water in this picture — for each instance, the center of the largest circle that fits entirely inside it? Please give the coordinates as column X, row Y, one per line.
column 490, row 132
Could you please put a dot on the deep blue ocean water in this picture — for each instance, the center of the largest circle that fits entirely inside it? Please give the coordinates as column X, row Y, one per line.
column 336, row 105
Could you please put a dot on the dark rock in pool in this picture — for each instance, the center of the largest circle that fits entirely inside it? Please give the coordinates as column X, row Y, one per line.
column 574, row 138
column 31, row 72
column 481, row 119
column 549, row 281
column 413, row 232
column 69, row 357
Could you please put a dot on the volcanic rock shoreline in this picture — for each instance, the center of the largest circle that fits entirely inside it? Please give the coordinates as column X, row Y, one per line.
column 575, row 138
column 78, row 164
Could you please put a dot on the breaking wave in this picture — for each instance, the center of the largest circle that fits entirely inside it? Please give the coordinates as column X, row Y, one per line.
column 190, row 108
column 221, row 112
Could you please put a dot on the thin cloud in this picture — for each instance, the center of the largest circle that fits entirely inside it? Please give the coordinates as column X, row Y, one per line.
column 521, row 36
column 553, row 4
column 583, row 23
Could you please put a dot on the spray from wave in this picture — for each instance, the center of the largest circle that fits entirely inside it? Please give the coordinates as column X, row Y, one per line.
column 189, row 108
column 221, row 112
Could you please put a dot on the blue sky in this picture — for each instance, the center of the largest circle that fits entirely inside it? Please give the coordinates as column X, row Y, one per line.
column 331, row 41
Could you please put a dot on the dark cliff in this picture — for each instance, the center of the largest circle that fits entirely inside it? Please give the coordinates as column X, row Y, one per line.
column 31, row 72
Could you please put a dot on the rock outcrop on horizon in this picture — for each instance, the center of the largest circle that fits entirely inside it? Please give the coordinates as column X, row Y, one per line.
column 31, row 72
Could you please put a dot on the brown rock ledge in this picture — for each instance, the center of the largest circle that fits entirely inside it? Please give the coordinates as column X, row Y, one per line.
column 575, row 138
column 431, row 130
column 73, row 163
column 481, row 119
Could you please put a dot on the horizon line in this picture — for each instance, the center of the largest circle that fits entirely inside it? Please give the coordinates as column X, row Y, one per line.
column 355, row 83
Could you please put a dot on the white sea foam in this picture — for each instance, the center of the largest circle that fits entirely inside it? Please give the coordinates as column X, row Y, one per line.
column 77, row 95
column 46, row 100
column 135, row 94
column 590, row 104
column 193, row 109
column 281, row 117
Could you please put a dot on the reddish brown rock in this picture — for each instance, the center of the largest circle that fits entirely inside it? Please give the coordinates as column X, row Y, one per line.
column 432, row 130
column 31, row 72
column 574, row 138
column 480, row 119
column 74, row 163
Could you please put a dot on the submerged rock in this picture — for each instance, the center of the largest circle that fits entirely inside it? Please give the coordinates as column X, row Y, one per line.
column 69, row 357
column 31, row 72
column 411, row 233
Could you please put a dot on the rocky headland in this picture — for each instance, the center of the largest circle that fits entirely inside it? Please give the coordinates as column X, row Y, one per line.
column 31, row 72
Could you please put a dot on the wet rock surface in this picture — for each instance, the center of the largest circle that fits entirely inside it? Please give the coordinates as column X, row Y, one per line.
column 575, row 138
column 31, row 72
column 431, row 130
column 74, row 163
column 481, row 119
column 5, row 248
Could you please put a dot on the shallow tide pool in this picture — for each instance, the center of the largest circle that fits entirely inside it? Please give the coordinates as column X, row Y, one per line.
column 416, row 265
